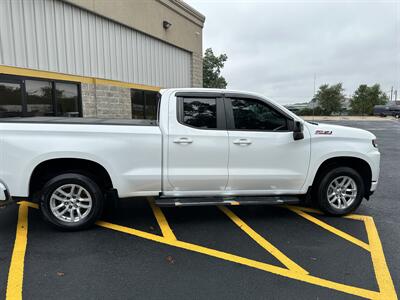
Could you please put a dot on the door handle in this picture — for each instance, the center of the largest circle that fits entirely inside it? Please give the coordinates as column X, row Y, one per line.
column 242, row 142
column 183, row 140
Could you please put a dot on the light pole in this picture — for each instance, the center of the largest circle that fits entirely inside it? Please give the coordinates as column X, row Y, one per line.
column 313, row 99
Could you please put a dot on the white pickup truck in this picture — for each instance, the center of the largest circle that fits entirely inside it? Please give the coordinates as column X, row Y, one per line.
column 207, row 147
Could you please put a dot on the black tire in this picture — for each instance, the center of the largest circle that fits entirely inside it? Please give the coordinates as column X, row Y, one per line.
column 322, row 189
column 88, row 184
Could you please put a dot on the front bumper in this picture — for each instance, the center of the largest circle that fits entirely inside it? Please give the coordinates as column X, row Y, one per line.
column 374, row 185
column 5, row 196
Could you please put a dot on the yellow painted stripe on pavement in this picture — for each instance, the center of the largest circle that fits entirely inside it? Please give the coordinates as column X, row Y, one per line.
column 162, row 220
column 382, row 273
column 332, row 229
column 356, row 217
column 29, row 204
column 317, row 211
column 245, row 261
column 290, row 264
column 305, row 209
column 16, row 272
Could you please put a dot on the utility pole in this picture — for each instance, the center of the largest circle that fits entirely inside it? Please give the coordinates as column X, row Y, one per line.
column 313, row 99
column 391, row 93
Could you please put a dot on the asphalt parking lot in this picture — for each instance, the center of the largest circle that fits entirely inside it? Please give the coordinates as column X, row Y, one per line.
column 256, row 252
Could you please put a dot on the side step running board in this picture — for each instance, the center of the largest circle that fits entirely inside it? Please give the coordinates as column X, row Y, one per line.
column 245, row 200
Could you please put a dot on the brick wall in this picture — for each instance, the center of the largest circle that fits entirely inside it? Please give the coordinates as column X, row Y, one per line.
column 103, row 101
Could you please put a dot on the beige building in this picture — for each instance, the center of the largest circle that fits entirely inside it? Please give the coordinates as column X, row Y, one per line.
column 95, row 58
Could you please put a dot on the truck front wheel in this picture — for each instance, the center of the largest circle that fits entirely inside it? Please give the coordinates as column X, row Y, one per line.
column 71, row 201
column 340, row 191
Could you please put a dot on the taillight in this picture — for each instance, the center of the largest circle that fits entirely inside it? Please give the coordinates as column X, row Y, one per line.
column 375, row 143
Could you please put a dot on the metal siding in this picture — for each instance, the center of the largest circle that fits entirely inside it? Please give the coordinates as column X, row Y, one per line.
column 85, row 43
column 51, row 35
column 18, row 37
column 40, row 22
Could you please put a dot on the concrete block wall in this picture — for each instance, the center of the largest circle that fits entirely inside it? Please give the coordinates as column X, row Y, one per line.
column 104, row 101
column 197, row 69
column 88, row 100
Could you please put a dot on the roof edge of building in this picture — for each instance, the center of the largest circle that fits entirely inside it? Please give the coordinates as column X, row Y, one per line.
column 188, row 9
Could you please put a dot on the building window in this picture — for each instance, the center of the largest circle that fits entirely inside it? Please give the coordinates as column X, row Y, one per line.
column 67, row 99
column 144, row 104
column 10, row 99
column 39, row 99
column 27, row 97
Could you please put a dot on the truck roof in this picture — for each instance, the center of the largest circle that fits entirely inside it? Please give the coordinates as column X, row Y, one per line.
column 210, row 90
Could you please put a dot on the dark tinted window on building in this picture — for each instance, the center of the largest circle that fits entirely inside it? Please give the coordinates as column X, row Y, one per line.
column 200, row 113
column 67, row 98
column 144, row 104
column 255, row 115
column 39, row 98
column 151, row 101
column 137, row 99
column 25, row 97
column 10, row 99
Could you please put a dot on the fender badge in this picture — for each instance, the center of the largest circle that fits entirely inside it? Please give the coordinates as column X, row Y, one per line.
column 326, row 132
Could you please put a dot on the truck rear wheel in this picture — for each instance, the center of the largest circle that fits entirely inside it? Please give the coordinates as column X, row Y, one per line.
column 71, row 201
column 340, row 191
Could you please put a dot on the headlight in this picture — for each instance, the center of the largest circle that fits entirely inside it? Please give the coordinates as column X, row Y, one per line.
column 375, row 143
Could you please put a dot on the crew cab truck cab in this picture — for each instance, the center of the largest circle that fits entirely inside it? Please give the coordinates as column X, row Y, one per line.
column 208, row 146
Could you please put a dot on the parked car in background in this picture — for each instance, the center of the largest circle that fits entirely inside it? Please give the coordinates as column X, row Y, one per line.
column 382, row 110
column 208, row 147
column 395, row 111
column 387, row 110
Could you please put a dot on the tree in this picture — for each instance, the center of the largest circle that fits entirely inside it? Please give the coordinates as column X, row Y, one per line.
column 330, row 98
column 366, row 97
column 317, row 111
column 212, row 66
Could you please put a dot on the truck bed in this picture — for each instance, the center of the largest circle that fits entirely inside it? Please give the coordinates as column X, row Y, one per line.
column 130, row 150
column 80, row 121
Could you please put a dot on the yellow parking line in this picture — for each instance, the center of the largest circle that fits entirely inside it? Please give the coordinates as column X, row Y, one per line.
column 29, row 204
column 356, row 217
column 382, row 273
column 245, row 261
column 305, row 209
column 330, row 228
column 16, row 272
column 162, row 221
column 317, row 211
column 385, row 283
column 290, row 264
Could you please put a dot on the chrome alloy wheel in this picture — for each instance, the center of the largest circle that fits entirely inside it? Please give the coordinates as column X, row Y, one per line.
column 342, row 192
column 70, row 203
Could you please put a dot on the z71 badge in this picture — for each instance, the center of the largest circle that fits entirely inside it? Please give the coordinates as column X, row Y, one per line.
column 327, row 132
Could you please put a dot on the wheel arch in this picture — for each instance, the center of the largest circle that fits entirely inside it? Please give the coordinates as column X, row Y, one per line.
column 55, row 166
column 356, row 163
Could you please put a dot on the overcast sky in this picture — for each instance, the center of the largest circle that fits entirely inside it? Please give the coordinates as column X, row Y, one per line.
column 275, row 47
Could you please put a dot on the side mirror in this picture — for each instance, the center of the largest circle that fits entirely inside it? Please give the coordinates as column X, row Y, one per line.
column 298, row 131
